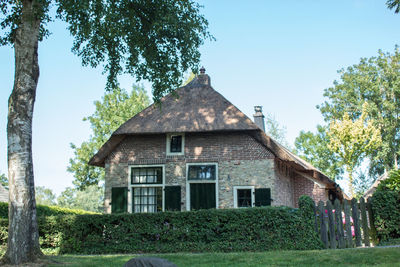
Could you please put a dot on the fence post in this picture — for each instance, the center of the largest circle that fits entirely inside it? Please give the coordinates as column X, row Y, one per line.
column 324, row 232
column 349, row 234
column 331, row 224
column 371, row 218
column 339, row 223
column 364, row 221
column 356, row 219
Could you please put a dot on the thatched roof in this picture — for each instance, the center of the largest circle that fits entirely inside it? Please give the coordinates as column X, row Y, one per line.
column 197, row 107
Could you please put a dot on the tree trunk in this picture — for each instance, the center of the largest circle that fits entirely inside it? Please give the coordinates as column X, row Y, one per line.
column 350, row 172
column 23, row 235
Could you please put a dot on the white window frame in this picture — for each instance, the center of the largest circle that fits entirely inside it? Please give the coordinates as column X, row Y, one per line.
column 188, row 182
column 168, row 145
column 235, row 195
column 131, row 186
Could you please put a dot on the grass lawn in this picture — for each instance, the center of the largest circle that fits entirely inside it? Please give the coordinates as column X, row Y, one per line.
column 345, row 257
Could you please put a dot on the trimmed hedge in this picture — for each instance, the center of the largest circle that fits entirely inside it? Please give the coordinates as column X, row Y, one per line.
column 43, row 210
column 386, row 209
column 251, row 229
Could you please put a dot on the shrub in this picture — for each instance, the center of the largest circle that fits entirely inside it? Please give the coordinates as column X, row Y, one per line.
column 392, row 183
column 306, row 207
column 43, row 210
column 252, row 229
column 386, row 209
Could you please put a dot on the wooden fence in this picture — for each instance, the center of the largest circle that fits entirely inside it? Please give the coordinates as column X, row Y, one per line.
column 345, row 225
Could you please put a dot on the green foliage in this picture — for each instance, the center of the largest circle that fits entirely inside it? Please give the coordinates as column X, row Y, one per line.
column 114, row 109
column 274, row 129
column 89, row 199
column 4, row 180
column 253, row 229
column 156, row 41
column 362, row 183
column 394, row 4
column 44, row 196
column 386, row 209
column 307, row 209
column 391, row 183
column 314, row 149
column 376, row 81
column 353, row 140
column 43, row 210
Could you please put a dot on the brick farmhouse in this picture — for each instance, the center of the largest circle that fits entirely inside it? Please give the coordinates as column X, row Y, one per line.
column 196, row 151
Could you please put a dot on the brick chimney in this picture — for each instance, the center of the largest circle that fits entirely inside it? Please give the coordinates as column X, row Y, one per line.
column 259, row 117
column 203, row 78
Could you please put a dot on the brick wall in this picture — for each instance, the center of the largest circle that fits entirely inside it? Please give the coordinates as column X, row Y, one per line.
column 242, row 161
column 303, row 186
column 198, row 147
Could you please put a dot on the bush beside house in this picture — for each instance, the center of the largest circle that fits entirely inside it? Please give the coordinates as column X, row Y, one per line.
column 386, row 207
column 254, row 229
column 43, row 210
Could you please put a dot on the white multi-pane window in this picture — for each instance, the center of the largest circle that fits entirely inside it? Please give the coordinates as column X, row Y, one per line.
column 243, row 196
column 146, row 189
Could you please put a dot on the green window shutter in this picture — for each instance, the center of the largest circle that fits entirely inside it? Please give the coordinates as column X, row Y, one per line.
column 173, row 198
column 262, row 197
column 202, row 196
column 119, row 199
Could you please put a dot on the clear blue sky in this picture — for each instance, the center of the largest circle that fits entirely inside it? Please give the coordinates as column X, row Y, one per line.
column 278, row 54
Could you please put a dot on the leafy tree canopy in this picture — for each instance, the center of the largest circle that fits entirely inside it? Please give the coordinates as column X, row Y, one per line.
column 90, row 199
column 353, row 140
column 314, row 149
column 156, row 40
column 376, row 81
column 394, row 4
column 391, row 183
column 274, row 129
column 45, row 196
column 114, row 109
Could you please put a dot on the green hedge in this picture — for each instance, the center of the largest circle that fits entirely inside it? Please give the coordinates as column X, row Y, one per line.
column 386, row 209
column 252, row 229
column 43, row 210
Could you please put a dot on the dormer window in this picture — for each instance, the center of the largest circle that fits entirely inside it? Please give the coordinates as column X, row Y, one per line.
column 175, row 144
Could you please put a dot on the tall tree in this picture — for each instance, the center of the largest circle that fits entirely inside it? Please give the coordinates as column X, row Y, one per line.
column 114, row 109
column 45, row 196
column 352, row 141
column 149, row 39
column 376, row 81
column 274, row 129
column 314, row 149
column 90, row 199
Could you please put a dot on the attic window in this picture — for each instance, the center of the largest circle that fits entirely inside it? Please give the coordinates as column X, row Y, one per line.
column 175, row 144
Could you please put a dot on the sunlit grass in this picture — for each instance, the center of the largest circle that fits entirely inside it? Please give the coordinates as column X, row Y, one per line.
column 344, row 257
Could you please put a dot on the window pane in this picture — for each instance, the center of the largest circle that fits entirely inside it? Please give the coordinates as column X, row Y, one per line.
column 147, row 199
column 201, row 172
column 146, row 175
column 244, row 197
column 176, row 143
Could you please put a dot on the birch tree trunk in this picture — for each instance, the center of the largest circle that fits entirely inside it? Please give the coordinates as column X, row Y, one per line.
column 23, row 235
